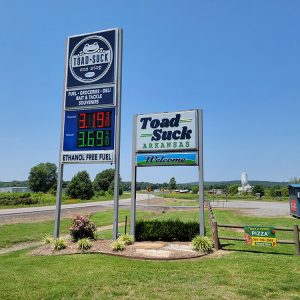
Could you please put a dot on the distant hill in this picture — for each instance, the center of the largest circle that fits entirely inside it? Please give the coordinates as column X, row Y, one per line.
column 143, row 185
column 252, row 182
column 14, row 183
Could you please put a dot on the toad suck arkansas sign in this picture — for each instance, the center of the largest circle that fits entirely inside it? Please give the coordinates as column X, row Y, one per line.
column 167, row 132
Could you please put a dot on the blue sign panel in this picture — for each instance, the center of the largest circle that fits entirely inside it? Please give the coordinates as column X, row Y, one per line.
column 90, row 97
column 91, row 59
column 167, row 159
column 89, row 130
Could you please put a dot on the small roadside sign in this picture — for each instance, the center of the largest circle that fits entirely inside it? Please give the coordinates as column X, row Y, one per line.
column 260, row 236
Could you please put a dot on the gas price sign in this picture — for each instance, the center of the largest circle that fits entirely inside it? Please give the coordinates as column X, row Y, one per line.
column 88, row 131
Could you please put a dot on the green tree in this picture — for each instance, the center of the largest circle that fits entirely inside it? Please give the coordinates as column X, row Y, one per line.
column 275, row 191
column 295, row 180
column 111, row 188
column 258, row 189
column 42, row 177
column 233, row 189
column 172, row 184
column 103, row 180
column 80, row 187
column 195, row 189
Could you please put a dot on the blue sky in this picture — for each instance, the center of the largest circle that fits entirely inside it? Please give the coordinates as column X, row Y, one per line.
column 237, row 60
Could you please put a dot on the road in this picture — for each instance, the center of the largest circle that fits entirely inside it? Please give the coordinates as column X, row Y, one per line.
column 257, row 208
column 32, row 214
column 110, row 203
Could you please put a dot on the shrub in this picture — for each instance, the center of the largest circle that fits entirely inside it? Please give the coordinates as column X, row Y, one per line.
column 126, row 239
column 84, row 244
column 202, row 243
column 59, row 244
column 80, row 187
column 101, row 193
column 104, row 181
column 47, row 239
column 42, row 177
column 168, row 230
column 17, row 199
column 118, row 245
column 82, row 227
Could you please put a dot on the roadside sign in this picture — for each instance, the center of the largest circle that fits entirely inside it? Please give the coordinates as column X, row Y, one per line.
column 167, row 159
column 90, row 97
column 168, row 139
column 259, row 235
column 166, row 132
column 91, row 107
column 92, row 58
column 87, row 130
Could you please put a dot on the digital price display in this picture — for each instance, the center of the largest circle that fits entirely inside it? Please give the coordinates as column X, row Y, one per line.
column 89, row 130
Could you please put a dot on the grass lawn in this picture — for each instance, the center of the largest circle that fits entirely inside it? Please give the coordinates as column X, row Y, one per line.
column 88, row 276
column 210, row 197
column 238, row 275
column 11, row 234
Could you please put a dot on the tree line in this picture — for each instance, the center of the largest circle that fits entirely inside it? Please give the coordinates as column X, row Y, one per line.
column 43, row 178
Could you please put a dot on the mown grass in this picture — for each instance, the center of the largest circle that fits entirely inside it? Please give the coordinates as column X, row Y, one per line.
column 239, row 275
column 11, row 234
column 232, row 217
column 211, row 197
column 234, row 276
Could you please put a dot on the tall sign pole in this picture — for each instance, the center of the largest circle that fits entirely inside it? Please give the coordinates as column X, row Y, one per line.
column 200, row 172
column 118, row 135
column 133, row 180
column 91, row 114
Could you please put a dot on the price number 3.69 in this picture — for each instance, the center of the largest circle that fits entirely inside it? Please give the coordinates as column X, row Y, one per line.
column 98, row 138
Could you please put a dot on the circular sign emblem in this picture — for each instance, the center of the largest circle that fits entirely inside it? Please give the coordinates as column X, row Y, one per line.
column 91, row 59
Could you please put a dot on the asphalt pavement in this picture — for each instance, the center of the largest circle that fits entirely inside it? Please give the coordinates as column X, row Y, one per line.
column 258, row 208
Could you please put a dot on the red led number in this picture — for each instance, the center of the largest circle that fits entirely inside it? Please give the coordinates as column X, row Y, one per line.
column 82, row 121
column 107, row 119
column 94, row 120
column 100, row 120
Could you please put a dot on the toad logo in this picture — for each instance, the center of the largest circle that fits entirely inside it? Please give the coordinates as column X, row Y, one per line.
column 91, row 59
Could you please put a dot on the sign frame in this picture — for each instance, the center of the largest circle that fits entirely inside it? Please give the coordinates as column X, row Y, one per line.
column 166, row 159
column 199, row 135
column 174, row 150
column 116, row 83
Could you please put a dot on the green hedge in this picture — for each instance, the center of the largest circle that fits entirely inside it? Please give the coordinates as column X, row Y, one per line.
column 168, row 230
column 17, row 199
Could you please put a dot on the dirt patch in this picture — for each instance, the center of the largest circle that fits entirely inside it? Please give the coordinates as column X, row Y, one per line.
column 139, row 250
column 153, row 201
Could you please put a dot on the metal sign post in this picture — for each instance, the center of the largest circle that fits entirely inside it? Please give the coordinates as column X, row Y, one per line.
column 91, row 107
column 118, row 135
column 200, row 172
column 133, row 180
column 168, row 139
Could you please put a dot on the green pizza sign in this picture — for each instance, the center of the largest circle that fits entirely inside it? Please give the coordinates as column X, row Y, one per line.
column 259, row 235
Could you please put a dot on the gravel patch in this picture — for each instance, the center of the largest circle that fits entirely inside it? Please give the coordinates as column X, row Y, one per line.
column 140, row 250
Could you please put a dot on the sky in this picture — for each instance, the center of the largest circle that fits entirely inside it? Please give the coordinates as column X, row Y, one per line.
column 239, row 61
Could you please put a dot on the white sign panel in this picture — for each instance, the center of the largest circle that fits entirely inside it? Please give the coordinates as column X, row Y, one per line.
column 87, row 157
column 174, row 131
